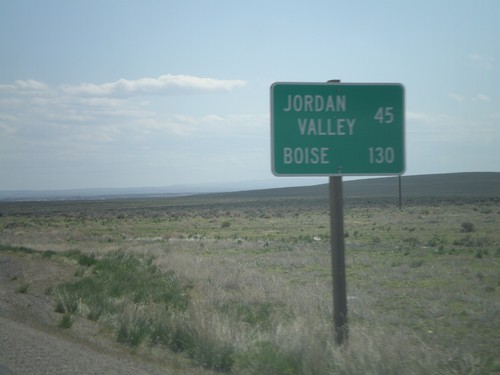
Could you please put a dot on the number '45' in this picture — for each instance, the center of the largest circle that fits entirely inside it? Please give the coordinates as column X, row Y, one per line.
column 384, row 115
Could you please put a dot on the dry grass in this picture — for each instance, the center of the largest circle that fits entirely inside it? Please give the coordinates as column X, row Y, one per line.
column 422, row 297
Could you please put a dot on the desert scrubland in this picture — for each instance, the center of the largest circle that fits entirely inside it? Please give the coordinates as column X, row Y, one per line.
column 242, row 283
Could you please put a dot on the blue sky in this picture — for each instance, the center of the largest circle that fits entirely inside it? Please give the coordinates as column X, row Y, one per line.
column 115, row 93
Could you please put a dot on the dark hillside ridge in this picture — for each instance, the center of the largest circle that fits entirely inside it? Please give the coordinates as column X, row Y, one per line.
column 450, row 185
column 474, row 185
column 477, row 185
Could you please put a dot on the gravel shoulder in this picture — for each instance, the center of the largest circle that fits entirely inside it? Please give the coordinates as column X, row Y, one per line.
column 31, row 341
column 26, row 350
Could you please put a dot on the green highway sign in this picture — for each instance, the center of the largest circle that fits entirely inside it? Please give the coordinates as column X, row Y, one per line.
column 337, row 129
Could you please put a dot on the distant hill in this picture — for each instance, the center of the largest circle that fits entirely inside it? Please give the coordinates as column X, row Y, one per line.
column 479, row 185
column 451, row 185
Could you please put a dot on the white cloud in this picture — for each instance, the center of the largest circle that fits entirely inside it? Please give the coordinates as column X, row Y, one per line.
column 210, row 126
column 91, row 106
column 165, row 84
column 484, row 62
column 92, row 127
column 10, row 102
column 482, row 98
column 21, row 86
column 457, row 97
column 476, row 98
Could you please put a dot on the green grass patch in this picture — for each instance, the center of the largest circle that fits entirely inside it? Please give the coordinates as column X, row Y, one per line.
column 117, row 283
column 82, row 259
column 17, row 249
column 66, row 321
column 268, row 358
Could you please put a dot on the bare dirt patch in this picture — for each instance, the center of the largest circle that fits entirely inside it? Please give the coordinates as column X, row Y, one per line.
column 24, row 280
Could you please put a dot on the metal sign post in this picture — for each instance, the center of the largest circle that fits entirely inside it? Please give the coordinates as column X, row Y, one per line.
column 336, row 129
column 336, row 199
column 338, row 262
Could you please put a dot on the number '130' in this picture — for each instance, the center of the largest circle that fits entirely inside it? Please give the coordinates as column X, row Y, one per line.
column 380, row 155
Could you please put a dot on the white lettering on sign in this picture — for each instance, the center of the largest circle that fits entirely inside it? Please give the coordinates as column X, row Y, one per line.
column 332, row 126
column 315, row 103
column 339, row 129
column 384, row 115
column 381, row 155
column 305, row 155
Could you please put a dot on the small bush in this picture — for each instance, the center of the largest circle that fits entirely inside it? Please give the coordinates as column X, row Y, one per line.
column 416, row 263
column 176, row 334
column 67, row 303
column 17, row 249
column 180, row 335
column 23, row 288
column 469, row 241
column 437, row 241
column 82, row 259
column 48, row 254
column 467, row 227
column 210, row 353
column 86, row 260
column 133, row 329
column 268, row 358
column 66, row 321
column 79, row 272
column 225, row 224
column 412, row 241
